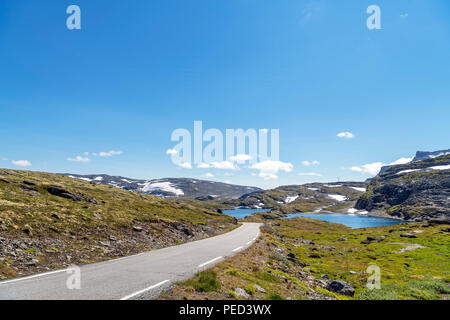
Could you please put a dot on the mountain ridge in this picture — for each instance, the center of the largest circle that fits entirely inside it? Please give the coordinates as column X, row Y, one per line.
column 170, row 187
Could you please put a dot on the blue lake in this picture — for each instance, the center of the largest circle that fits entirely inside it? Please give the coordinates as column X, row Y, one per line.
column 352, row 221
column 242, row 213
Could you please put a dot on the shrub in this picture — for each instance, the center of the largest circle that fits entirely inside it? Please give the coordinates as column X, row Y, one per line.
column 274, row 296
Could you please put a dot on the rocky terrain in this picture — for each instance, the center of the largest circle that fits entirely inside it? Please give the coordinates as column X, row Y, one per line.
column 48, row 221
column 171, row 187
column 309, row 259
column 318, row 197
column 418, row 191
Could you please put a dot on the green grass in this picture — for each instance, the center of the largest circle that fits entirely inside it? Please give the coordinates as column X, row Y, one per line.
column 412, row 290
column 204, row 281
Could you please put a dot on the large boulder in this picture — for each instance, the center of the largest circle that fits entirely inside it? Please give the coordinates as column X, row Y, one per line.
column 341, row 287
column 63, row 193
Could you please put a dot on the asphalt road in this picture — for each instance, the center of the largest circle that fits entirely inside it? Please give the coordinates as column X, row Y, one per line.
column 142, row 276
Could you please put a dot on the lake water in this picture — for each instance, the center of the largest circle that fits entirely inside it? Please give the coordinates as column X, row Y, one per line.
column 352, row 221
column 241, row 213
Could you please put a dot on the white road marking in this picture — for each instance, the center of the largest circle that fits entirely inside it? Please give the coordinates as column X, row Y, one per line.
column 144, row 290
column 31, row 277
column 210, row 261
column 237, row 249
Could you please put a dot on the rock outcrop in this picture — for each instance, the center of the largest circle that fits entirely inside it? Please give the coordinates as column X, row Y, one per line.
column 416, row 191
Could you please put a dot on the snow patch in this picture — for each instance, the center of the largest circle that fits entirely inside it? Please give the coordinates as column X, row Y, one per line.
column 337, row 197
column 164, row 186
column 407, row 171
column 447, row 167
column 358, row 189
column 313, row 189
column 291, row 199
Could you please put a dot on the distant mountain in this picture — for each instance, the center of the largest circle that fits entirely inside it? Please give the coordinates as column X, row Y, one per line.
column 421, row 155
column 171, row 187
column 418, row 191
column 304, row 198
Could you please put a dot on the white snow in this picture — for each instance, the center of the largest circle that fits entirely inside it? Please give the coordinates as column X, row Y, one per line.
column 127, row 181
column 407, row 171
column 332, row 185
column 438, row 155
column 164, row 186
column 354, row 211
column 359, row 189
column 447, row 167
column 337, row 197
column 98, row 179
column 291, row 199
column 80, row 178
column 313, row 189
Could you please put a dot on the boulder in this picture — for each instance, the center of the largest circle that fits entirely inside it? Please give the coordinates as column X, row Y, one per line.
column 63, row 193
column 260, row 289
column 341, row 287
column 291, row 256
column 241, row 293
column 408, row 235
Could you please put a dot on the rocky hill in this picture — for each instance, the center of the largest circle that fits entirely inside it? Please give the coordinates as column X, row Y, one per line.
column 421, row 155
column 416, row 191
column 171, row 187
column 304, row 198
column 48, row 221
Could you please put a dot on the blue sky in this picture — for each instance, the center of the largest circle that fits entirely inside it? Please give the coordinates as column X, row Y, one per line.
column 137, row 70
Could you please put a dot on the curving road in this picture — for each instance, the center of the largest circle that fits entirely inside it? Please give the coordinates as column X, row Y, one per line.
column 142, row 276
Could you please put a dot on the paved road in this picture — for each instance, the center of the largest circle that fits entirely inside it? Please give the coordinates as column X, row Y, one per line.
column 141, row 276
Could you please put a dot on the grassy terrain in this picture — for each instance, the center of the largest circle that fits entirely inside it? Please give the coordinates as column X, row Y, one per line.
column 40, row 231
column 327, row 251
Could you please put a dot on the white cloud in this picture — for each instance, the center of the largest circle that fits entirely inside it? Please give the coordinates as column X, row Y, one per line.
column 268, row 169
column 86, row 153
column 375, row 167
column 223, row 165
column 370, row 168
column 346, row 135
column 310, row 163
column 273, row 166
column 311, row 174
column 228, row 174
column 4, row 159
column 110, row 153
column 209, row 175
column 241, row 157
column 402, row 161
column 79, row 159
column 404, row 15
column 171, row 151
column 21, row 163
column 268, row 176
column 186, row 165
